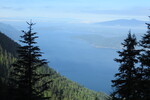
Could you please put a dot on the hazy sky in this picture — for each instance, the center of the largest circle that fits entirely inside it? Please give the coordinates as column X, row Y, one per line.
column 73, row 11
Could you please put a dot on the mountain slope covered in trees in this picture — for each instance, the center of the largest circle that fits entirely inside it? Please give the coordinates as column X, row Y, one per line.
column 60, row 89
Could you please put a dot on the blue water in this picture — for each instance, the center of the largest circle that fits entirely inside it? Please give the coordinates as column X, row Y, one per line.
column 77, row 60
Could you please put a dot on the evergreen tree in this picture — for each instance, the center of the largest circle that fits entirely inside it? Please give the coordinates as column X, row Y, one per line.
column 61, row 87
column 26, row 82
column 125, row 87
column 144, row 70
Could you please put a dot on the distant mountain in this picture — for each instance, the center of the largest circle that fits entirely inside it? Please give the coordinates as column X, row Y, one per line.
column 123, row 22
column 10, row 31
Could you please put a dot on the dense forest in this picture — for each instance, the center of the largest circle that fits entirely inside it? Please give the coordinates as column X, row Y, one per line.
column 60, row 88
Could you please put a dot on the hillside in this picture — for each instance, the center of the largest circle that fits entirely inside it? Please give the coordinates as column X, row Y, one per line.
column 9, row 31
column 60, row 89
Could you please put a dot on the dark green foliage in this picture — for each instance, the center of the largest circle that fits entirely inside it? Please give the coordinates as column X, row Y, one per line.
column 9, row 45
column 60, row 89
column 133, row 79
column 125, row 87
column 3, row 89
column 7, row 53
column 24, row 77
column 63, row 89
column 6, row 59
column 145, row 54
column 144, row 70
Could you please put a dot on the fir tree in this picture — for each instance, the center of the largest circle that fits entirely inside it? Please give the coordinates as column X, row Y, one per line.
column 125, row 87
column 144, row 70
column 27, row 82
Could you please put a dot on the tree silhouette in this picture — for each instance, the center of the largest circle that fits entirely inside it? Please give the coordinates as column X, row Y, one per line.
column 144, row 70
column 125, row 87
column 28, row 83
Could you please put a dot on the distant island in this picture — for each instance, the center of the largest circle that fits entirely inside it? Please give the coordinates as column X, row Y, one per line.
column 123, row 22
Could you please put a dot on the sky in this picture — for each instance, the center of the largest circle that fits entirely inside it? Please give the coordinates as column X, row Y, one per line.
column 73, row 11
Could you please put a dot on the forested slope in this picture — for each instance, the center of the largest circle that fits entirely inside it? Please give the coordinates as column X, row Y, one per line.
column 60, row 89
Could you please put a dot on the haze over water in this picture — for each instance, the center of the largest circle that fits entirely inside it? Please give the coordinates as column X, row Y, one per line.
column 65, row 29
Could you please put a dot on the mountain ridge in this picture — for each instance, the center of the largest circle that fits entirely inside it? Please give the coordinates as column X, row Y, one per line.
column 122, row 22
column 10, row 31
